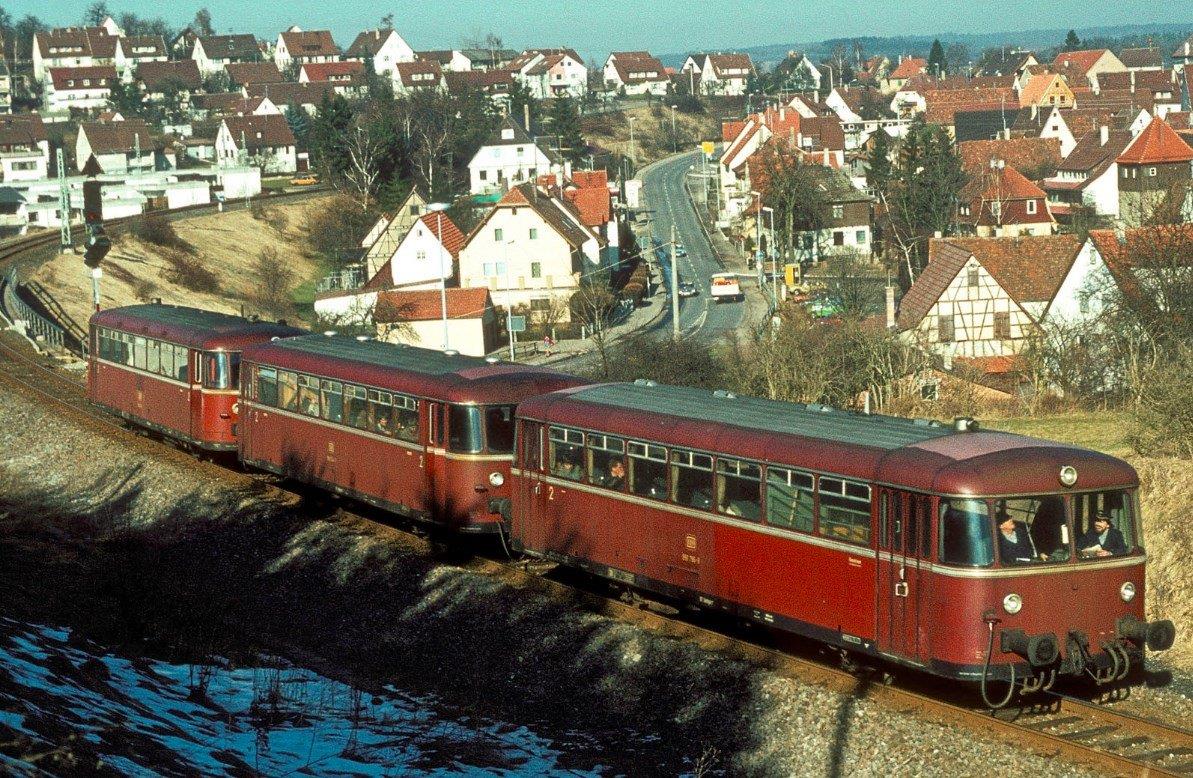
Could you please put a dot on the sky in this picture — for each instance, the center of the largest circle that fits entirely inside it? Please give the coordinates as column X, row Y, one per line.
column 595, row 27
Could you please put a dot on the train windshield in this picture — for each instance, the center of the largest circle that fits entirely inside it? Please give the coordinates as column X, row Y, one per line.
column 221, row 370
column 499, row 429
column 477, row 428
column 1036, row 529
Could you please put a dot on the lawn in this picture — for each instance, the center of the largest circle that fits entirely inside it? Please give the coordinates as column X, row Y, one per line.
column 1099, row 430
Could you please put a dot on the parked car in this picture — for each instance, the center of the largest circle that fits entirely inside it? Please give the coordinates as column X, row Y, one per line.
column 688, row 289
column 308, row 179
column 680, row 251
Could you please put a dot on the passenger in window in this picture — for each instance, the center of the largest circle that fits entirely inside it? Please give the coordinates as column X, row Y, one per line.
column 568, row 467
column 616, row 479
column 1014, row 542
column 382, row 424
column 1103, row 540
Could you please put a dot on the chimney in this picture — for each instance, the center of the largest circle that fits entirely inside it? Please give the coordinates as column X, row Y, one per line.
column 1104, row 134
column 826, row 158
column 783, row 113
column 890, row 307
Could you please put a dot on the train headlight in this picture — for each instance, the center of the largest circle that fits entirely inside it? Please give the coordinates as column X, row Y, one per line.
column 1068, row 475
column 496, row 479
column 1012, row 603
column 1127, row 591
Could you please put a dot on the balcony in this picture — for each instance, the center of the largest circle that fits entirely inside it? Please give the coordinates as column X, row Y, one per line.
column 345, row 280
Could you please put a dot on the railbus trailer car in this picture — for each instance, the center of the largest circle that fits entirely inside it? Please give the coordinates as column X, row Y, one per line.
column 875, row 535
column 173, row 370
column 423, row 433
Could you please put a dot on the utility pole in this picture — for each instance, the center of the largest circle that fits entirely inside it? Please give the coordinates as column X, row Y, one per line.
column 674, row 290
column 63, row 204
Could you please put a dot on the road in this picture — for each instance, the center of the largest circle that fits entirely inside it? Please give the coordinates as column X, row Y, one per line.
column 667, row 197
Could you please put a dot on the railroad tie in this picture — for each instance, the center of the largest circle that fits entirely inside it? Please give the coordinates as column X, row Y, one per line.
column 1086, row 734
column 1127, row 742
column 1040, row 726
column 1161, row 753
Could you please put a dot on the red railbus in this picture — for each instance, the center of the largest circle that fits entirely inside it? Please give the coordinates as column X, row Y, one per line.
column 428, row 434
column 873, row 534
column 173, row 369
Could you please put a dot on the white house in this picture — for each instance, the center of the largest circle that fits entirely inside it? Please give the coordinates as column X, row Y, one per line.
column 215, row 52
column 1088, row 176
column 74, row 47
column 635, row 73
column 416, row 319
column 450, row 60
column 135, row 49
column 83, row 88
column 266, row 141
column 24, row 148
column 389, row 230
column 298, row 47
column 548, row 73
column 417, row 76
column 720, row 74
column 118, row 147
column 509, row 157
column 530, row 250
column 384, row 46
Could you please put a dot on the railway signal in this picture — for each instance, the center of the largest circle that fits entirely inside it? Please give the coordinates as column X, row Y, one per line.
column 97, row 242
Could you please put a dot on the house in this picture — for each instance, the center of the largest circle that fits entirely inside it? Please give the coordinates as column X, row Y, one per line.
column 984, row 297
column 1081, row 68
column 1149, row 265
column 1004, row 61
column 1068, row 125
column 450, row 60
column 234, row 104
column 183, row 43
column 635, row 73
column 1142, row 59
column 157, row 78
column 1156, row 90
column 797, row 71
column 118, row 147
column 213, row 53
column 742, row 141
column 548, row 73
column 74, row 47
column 417, row 76
column 1035, row 158
column 244, row 73
column 509, row 157
column 262, row 141
column 389, row 230
column 908, row 68
column 307, row 96
column 589, row 194
column 496, row 84
column 81, row 88
column 720, row 74
column 530, row 250
column 999, row 202
column 1152, row 167
column 1088, row 176
column 24, row 148
column 345, row 76
column 493, row 58
column 1046, row 89
column 133, row 50
column 415, row 318
column 296, row 47
column 14, row 212
column 871, row 71
column 1182, row 55
column 384, row 46
column 5, row 87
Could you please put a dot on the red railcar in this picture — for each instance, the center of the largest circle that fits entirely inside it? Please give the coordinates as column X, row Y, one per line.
column 428, row 434
column 172, row 369
column 872, row 534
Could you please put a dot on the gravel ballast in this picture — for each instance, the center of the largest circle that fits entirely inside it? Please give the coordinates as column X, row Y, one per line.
column 115, row 535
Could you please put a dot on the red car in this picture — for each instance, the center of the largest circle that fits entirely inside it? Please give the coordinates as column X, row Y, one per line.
column 874, row 534
column 428, row 434
column 173, row 370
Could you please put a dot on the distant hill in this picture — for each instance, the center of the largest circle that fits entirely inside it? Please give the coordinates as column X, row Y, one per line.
column 1166, row 36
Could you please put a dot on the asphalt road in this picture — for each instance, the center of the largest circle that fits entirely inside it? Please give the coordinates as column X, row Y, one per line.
column 666, row 196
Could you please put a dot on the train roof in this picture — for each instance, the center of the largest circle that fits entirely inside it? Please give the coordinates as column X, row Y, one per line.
column 912, row 453
column 191, row 327
column 402, row 368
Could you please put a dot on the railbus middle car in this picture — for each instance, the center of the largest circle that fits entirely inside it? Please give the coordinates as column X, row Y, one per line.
column 424, row 433
column 873, row 534
column 173, row 369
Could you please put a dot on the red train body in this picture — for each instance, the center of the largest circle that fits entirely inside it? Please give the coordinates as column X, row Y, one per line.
column 173, row 370
column 419, row 432
column 869, row 533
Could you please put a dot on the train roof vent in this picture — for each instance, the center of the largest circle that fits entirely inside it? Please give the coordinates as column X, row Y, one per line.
column 925, row 422
column 724, row 394
column 645, row 382
column 451, row 352
column 492, row 360
column 819, row 408
column 275, row 337
column 363, row 338
column 329, row 333
column 965, row 424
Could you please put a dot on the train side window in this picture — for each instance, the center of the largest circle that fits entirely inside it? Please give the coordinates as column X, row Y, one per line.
column 127, row 349
column 739, row 489
column 565, row 453
column 499, row 429
column 464, row 431
column 921, row 508
column 606, row 461
column 532, row 446
column 166, row 367
column 966, row 534
column 153, row 356
column 406, row 418
column 182, row 364
column 287, row 390
column 789, row 498
column 333, row 400
column 139, row 352
column 844, row 510
column 691, row 479
column 381, row 412
column 308, row 395
column 356, row 406
column 648, row 470
column 267, row 386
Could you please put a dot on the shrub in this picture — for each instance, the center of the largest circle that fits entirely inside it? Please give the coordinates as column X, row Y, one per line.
column 1162, row 422
column 274, row 279
column 188, row 271
column 334, row 232
column 156, row 229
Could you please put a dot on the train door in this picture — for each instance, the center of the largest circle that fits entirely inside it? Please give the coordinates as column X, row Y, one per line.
column 904, row 546
column 194, row 377
column 529, row 511
column 433, row 460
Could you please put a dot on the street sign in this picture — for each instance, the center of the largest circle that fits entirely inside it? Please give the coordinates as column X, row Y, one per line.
column 517, row 324
column 707, row 147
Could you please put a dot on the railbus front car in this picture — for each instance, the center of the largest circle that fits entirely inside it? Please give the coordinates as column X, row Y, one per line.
column 423, row 433
column 173, row 369
column 873, row 534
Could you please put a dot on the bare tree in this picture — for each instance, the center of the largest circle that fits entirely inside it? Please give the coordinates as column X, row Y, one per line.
column 593, row 305
column 362, row 171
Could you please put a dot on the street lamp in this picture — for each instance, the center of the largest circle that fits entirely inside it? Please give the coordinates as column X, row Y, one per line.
column 439, row 208
column 509, row 299
column 633, row 149
column 770, row 254
column 673, row 141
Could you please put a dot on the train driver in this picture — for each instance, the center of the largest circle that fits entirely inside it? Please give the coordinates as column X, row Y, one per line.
column 1103, row 540
column 1014, row 543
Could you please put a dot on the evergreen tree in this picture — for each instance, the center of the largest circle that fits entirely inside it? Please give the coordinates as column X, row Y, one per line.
column 565, row 125
column 1072, row 42
column 520, row 97
column 878, row 162
column 300, row 124
column 327, row 133
column 936, row 59
column 125, row 99
column 923, row 189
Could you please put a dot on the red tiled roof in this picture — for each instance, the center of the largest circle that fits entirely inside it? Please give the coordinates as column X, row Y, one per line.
column 257, row 131
column 240, row 46
column 240, row 73
column 591, row 179
column 329, row 71
column 310, row 43
column 1077, row 63
column 1142, row 58
column 636, row 67
column 426, row 304
column 994, row 365
column 1022, row 153
column 287, row 92
column 731, row 129
column 369, row 42
column 117, row 137
column 1158, row 143
column 1152, row 80
column 909, row 67
column 72, row 78
column 438, row 223
column 593, row 204
column 155, row 75
column 407, row 70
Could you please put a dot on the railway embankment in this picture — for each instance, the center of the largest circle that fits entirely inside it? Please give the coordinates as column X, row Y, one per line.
column 138, row 545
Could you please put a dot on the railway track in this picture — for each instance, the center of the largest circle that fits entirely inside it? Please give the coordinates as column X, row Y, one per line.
column 1057, row 725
